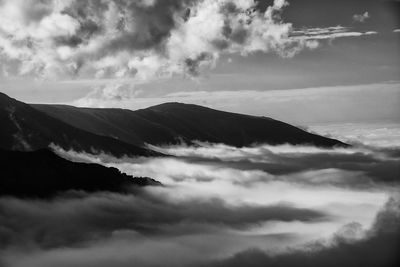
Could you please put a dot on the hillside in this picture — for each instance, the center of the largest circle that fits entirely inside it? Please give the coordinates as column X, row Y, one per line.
column 42, row 173
column 25, row 128
column 172, row 123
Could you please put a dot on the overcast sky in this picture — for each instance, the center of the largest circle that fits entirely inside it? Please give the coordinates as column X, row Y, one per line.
column 303, row 61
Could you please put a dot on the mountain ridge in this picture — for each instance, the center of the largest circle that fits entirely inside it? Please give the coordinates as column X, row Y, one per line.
column 126, row 132
column 173, row 123
column 25, row 128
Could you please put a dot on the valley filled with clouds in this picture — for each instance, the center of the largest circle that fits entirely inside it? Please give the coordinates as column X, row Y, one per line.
column 219, row 206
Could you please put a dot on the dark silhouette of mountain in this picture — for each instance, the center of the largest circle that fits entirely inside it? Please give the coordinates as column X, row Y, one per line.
column 172, row 123
column 26, row 128
column 42, row 173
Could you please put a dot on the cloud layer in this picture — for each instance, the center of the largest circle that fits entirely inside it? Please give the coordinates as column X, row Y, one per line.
column 218, row 206
column 327, row 33
column 378, row 248
column 142, row 39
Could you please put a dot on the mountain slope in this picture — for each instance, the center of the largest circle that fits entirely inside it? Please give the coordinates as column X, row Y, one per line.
column 42, row 173
column 171, row 123
column 26, row 128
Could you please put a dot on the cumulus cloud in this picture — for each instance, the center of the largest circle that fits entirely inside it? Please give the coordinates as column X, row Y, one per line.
column 361, row 17
column 136, row 38
column 143, row 39
column 115, row 92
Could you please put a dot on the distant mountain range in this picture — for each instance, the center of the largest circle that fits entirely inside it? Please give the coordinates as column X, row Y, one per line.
column 43, row 174
column 120, row 132
column 29, row 169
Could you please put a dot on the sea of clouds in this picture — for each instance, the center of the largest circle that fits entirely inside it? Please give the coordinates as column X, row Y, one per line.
column 219, row 206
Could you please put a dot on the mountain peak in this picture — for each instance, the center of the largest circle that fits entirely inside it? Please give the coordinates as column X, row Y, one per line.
column 177, row 105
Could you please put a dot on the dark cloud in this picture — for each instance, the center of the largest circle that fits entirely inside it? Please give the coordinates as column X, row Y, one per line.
column 154, row 24
column 379, row 248
column 239, row 35
column 92, row 216
column 193, row 64
column 229, row 8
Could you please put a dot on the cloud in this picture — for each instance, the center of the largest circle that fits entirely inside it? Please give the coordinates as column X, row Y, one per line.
column 143, row 39
column 384, row 135
column 265, row 176
column 357, row 166
column 98, row 215
column 396, row 30
column 218, row 206
column 328, row 33
column 361, row 17
column 115, row 92
column 378, row 248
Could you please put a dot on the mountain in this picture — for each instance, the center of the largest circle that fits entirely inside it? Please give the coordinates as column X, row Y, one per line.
column 42, row 173
column 26, row 128
column 125, row 132
column 172, row 123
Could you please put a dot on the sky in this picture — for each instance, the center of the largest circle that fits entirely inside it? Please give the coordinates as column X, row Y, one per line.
column 336, row 61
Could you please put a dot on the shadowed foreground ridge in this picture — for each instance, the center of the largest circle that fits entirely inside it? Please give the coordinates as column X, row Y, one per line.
column 42, row 173
column 172, row 123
